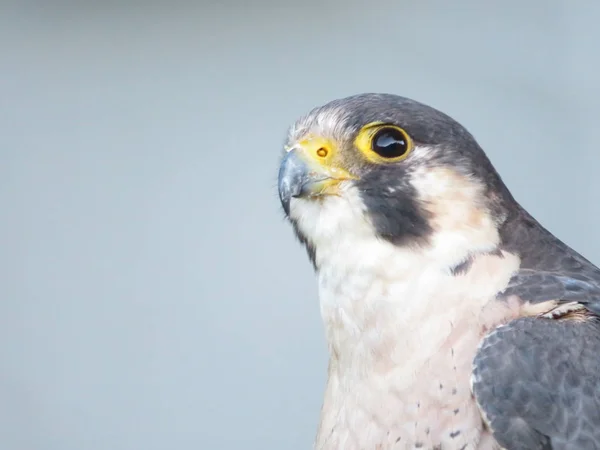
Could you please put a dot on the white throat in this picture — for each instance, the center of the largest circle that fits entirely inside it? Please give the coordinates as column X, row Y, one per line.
column 400, row 325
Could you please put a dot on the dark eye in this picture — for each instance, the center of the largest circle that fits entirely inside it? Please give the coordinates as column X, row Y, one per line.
column 389, row 143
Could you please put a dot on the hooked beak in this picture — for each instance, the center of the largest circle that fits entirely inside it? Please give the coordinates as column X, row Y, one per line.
column 303, row 174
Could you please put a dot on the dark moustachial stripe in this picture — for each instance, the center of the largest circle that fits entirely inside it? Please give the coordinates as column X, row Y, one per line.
column 396, row 216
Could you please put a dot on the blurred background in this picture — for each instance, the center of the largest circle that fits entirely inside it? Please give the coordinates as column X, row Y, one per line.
column 151, row 295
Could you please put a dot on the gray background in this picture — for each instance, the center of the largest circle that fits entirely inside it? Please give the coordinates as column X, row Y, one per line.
column 152, row 296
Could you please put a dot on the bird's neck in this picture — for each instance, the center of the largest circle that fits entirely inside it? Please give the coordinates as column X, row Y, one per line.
column 383, row 301
column 384, row 305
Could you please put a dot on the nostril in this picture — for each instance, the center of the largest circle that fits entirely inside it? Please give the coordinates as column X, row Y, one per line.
column 322, row 152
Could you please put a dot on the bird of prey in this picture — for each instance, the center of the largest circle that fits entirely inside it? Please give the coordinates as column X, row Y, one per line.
column 454, row 320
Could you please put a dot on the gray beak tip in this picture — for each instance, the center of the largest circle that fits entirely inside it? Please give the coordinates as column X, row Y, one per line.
column 292, row 174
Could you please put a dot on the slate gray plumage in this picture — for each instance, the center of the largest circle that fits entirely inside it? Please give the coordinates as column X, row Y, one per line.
column 538, row 382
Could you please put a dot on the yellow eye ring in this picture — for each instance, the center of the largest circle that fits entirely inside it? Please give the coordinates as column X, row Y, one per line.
column 383, row 143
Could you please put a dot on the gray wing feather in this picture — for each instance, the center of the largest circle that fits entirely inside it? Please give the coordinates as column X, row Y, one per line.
column 539, row 286
column 550, row 269
column 537, row 382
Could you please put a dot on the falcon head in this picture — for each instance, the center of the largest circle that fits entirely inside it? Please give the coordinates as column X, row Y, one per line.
column 383, row 168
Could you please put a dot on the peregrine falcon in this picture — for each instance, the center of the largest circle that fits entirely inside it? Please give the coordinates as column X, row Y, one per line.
column 453, row 319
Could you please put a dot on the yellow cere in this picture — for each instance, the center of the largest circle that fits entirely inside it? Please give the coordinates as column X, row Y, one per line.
column 316, row 147
column 364, row 142
column 322, row 152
